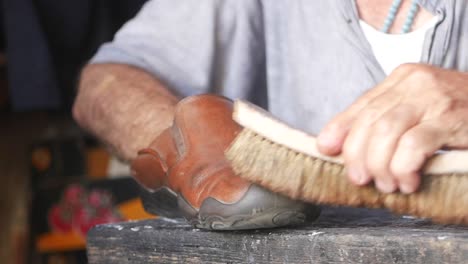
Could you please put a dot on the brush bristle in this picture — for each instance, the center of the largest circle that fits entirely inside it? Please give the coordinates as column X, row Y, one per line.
column 444, row 198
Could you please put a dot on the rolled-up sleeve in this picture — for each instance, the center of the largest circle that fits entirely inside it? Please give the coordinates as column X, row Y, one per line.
column 194, row 46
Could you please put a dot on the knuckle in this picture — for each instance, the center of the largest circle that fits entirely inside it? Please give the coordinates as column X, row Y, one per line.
column 402, row 175
column 403, row 167
column 410, row 140
column 384, row 126
column 369, row 116
column 415, row 69
column 404, row 68
column 421, row 73
column 399, row 171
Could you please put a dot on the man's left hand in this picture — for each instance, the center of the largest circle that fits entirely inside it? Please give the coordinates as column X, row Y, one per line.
column 389, row 132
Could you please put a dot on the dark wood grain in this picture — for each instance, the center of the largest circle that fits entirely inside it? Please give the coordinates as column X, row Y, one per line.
column 341, row 235
column 17, row 131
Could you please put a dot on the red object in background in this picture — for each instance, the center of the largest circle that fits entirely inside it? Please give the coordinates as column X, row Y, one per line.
column 100, row 199
column 87, row 218
column 80, row 210
column 74, row 195
column 59, row 219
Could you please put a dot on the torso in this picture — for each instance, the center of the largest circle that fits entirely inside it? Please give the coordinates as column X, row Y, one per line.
column 316, row 71
column 308, row 59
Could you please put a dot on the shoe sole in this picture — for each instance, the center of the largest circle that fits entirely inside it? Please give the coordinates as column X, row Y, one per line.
column 259, row 208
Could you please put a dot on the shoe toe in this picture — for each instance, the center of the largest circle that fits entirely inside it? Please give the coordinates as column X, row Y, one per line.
column 258, row 208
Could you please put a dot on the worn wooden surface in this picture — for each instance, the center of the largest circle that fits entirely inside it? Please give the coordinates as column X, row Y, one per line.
column 341, row 235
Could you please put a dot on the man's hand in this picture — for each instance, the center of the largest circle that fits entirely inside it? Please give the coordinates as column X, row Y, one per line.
column 389, row 132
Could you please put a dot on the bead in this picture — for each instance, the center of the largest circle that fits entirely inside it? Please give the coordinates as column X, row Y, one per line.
column 410, row 17
column 392, row 12
column 391, row 16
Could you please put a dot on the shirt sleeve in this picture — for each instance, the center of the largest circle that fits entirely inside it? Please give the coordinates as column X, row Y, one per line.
column 194, row 46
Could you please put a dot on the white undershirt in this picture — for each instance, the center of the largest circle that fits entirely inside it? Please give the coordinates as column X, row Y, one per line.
column 392, row 50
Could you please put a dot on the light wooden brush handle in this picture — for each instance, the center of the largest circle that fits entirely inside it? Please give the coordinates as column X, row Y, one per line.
column 286, row 160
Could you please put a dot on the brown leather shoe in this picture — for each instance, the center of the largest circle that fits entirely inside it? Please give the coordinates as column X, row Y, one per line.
column 186, row 173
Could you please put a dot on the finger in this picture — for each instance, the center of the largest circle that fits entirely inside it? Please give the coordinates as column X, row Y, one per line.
column 355, row 146
column 385, row 134
column 414, row 147
column 331, row 139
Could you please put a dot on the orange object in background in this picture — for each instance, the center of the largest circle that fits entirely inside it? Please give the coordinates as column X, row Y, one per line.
column 97, row 162
column 133, row 210
column 41, row 158
column 71, row 241
column 53, row 242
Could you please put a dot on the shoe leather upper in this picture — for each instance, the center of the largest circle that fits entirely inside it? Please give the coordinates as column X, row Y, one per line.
column 189, row 156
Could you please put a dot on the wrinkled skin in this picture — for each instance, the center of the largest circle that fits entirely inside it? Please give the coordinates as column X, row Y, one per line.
column 388, row 133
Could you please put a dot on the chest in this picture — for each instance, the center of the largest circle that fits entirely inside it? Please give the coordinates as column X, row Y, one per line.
column 319, row 59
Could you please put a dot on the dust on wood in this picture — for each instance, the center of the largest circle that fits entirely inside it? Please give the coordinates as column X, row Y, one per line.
column 341, row 235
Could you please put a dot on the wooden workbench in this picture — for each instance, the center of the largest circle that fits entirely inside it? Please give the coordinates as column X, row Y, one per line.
column 341, row 235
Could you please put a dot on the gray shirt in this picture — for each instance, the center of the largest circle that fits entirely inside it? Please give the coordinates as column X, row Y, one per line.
column 304, row 60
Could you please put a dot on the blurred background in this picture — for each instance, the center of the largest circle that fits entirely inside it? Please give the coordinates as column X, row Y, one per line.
column 56, row 181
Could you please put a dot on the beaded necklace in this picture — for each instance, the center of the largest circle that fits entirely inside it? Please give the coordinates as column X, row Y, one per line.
column 392, row 15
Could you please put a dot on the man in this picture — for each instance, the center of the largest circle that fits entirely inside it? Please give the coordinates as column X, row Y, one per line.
column 309, row 62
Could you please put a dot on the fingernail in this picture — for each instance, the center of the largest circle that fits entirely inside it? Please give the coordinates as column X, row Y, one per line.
column 406, row 188
column 385, row 187
column 357, row 175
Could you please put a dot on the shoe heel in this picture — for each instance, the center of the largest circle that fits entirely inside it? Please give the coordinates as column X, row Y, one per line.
column 162, row 202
